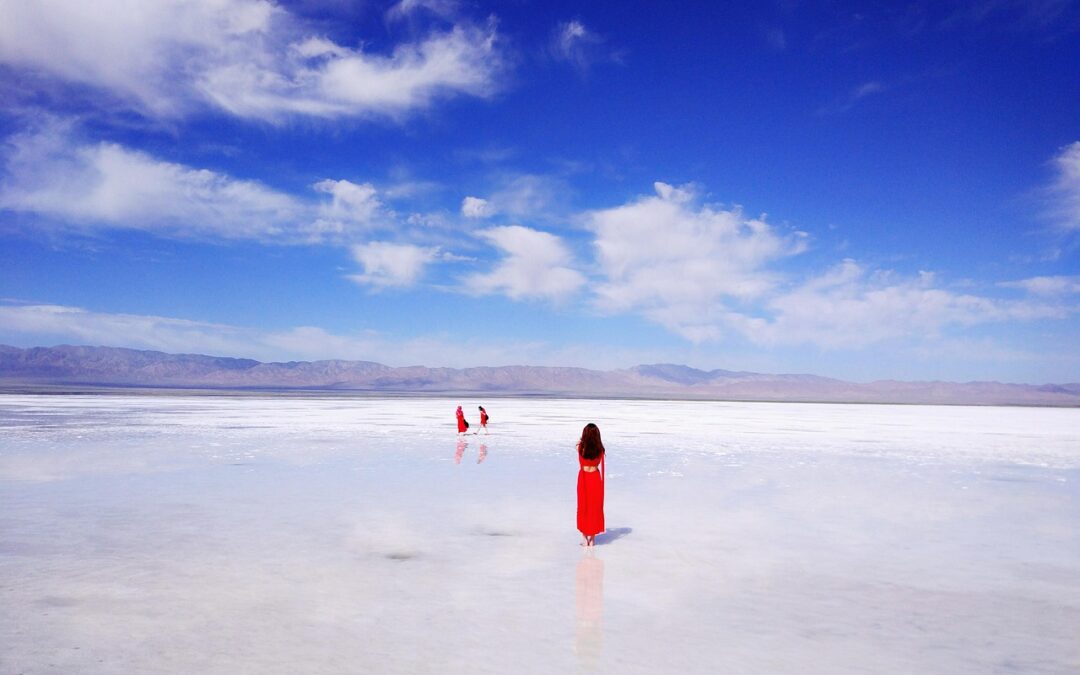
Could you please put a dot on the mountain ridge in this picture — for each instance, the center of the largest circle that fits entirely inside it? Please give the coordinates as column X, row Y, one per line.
column 121, row 366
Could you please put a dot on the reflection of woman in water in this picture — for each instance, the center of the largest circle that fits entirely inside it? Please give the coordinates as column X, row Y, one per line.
column 589, row 594
column 483, row 418
column 462, row 425
column 590, row 484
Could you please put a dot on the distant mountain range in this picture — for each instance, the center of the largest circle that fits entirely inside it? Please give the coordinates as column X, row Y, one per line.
column 117, row 367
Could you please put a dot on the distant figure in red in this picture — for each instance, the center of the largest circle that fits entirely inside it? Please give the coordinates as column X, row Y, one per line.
column 483, row 418
column 590, row 484
column 462, row 425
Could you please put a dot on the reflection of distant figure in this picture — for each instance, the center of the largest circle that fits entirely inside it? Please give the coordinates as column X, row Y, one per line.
column 589, row 596
column 483, row 454
column 460, row 451
column 590, row 484
column 483, row 419
column 462, row 425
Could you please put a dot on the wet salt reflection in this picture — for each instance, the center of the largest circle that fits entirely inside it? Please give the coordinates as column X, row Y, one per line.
column 463, row 445
column 589, row 598
column 247, row 534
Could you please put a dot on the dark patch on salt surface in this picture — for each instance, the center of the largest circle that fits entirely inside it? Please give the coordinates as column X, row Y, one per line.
column 57, row 601
column 496, row 533
column 400, row 556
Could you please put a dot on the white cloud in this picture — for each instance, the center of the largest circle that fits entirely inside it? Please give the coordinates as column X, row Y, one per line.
column 681, row 264
column 248, row 57
column 1055, row 285
column 706, row 273
column 326, row 80
column 1065, row 191
column 537, row 265
column 476, row 207
column 104, row 185
column 847, row 306
column 351, row 201
column 142, row 52
column 387, row 264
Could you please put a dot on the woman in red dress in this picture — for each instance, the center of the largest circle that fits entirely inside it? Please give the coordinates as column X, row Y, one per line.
column 483, row 418
column 462, row 425
column 590, row 484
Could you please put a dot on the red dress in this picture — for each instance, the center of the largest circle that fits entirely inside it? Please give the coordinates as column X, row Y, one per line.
column 462, row 425
column 590, row 497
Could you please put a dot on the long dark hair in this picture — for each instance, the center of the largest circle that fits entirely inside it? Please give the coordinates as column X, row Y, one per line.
column 590, row 446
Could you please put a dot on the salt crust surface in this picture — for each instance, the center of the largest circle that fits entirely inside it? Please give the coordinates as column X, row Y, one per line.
column 334, row 534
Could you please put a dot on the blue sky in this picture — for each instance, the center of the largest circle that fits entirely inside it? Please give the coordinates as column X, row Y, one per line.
column 860, row 190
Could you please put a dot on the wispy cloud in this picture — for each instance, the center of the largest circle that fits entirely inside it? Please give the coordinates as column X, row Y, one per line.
column 873, row 24
column 250, row 58
column 572, row 42
column 55, row 324
column 536, row 265
column 866, row 89
column 1042, row 15
column 851, row 306
column 852, row 98
column 1064, row 192
column 776, row 38
column 1053, row 285
column 532, row 196
column 407, row 8
column 130, row 330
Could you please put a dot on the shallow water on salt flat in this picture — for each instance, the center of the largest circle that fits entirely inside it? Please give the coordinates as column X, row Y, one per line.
column 340, row 534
